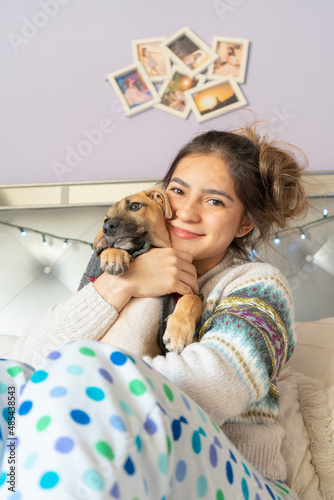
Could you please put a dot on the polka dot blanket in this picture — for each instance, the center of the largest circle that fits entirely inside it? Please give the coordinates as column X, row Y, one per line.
column 94, row 422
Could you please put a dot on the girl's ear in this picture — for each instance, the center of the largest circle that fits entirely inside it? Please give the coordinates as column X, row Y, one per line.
column 245, row 227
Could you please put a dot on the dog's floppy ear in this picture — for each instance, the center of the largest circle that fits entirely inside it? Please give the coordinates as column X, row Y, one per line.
column 160, row 197
column 99, row 240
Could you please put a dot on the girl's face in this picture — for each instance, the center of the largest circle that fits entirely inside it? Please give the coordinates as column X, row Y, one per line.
column 207, row 214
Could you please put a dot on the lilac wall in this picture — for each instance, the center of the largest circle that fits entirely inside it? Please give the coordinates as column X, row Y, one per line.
column 54, row 90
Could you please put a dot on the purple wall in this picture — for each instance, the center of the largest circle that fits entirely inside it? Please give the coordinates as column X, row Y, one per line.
column 54, row 90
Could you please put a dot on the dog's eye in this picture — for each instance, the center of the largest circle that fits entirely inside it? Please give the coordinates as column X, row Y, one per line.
column 105, row 220
column 135, row 206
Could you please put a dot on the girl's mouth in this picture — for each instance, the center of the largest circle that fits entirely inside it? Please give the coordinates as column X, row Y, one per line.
column 183, row 234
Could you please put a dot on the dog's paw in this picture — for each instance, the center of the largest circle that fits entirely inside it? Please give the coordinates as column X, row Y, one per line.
column 178, row 334
column 115, row 261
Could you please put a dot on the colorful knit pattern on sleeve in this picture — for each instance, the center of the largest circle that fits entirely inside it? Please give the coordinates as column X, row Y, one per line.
column 252, row 329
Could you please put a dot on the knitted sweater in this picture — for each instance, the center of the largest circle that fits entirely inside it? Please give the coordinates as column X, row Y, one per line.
column 245, row 337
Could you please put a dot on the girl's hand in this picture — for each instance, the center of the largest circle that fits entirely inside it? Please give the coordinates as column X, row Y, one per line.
column 161, row 271
column 157, row 272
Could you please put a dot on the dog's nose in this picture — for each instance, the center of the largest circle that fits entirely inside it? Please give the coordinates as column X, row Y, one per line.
column 110, row 227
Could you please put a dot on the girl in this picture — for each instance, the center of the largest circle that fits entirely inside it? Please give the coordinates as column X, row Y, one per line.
column 98, row 422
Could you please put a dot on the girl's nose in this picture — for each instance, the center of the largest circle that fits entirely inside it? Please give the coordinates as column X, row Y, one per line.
column 188, row 212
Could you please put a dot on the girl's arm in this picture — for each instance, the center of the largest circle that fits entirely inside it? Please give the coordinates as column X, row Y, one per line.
column 245, row 341
column 92, row 311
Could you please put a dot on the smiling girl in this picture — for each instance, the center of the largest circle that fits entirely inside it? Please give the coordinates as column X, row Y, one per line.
column 173, row 438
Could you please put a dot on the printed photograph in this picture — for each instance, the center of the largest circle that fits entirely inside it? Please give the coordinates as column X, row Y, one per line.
column 215, row 98
column 154, row 57
column 232, row 58
column 189, row 52
column 172, row 93
column 134, row 89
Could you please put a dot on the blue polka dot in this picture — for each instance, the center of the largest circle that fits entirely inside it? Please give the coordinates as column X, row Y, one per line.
column 38, row 376
column 95, row 393
column 3, row 478
column 49, row 480
column 118, row 358
column 201, row 486
column 54, row 355
column 203, row 417
column 146, row 489
column 117, row 423
column 181, row 471
column 163, row 463
column 16, row 496
column 80, row 417
column 150, row 383
column 31, row 460
column 244, row 487
column 233, row 457
column 257, row 497
column 75, row 370
column 138, row 443
column 93, row 480
column 186, row 402
column 22, row 389
column 58, row 392
column 126, row 408
column 106, row 375
column 213, row 456
column 245, row 469
column 64, row 445
column 3, row 388
column 25, row 407
column 258, row 482
column 5, row 414
column 150, row 426
column 129, row 467
column 217, row 442
column 229, row 472
column 270, row 492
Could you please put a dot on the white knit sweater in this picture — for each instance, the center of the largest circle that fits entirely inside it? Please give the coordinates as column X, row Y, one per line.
column 246, row 335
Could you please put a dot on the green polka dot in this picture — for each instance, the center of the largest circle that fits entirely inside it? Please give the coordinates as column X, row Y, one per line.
column 201, row 486
column 86, row 351
column 163, row 463
column 168, row 392
column 43, row 423
column 169, row 445
column 105, row 450
column 137, row 387
column 220, row 495
column 14, row 370
column 215, row 425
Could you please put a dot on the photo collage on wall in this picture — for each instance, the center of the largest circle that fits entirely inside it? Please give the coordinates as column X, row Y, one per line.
column 167, row 74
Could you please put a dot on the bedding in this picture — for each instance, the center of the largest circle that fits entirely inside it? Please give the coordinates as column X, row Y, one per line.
column 306, row 409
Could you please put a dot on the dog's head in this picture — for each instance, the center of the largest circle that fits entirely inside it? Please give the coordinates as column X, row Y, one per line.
column 136, row 219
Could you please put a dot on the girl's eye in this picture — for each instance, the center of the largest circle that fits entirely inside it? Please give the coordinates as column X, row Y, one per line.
column 216, row 203
column 177, row 190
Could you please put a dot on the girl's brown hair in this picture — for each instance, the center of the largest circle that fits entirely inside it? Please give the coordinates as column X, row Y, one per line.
column 266, row 176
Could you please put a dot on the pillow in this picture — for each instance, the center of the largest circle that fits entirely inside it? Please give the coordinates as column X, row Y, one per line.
column 306, row 413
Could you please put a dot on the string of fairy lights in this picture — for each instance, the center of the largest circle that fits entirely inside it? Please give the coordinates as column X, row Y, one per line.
column 66, row 240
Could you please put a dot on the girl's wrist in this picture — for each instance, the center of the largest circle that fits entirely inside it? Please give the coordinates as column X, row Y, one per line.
column 113, row 290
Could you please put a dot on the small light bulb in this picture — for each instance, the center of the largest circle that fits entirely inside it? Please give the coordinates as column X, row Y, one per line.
column 44, row 241
column 65, row 244
column 302, row 235
column 325, row 212
column 277, row 240
column 23, row 232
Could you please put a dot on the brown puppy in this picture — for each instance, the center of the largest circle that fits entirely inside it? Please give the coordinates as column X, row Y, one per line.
column 131, row 227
